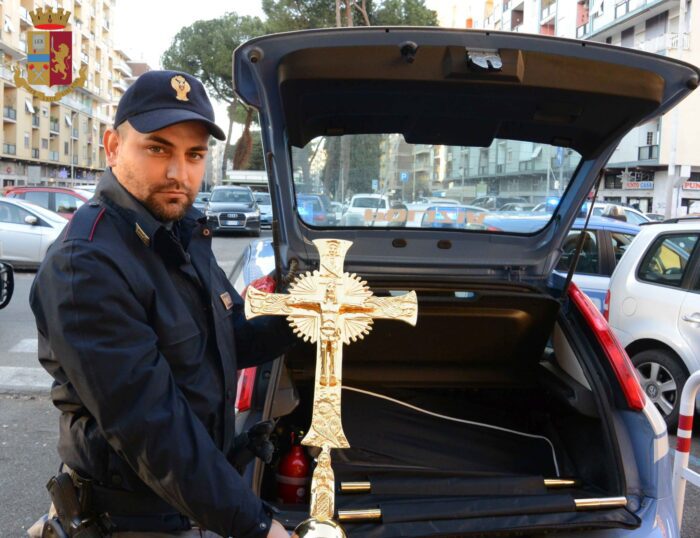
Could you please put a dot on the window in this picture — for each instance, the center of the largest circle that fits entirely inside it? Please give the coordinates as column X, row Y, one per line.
column 588, row 261
column 37, row 197
column 13, row 214
column 8, row 26
column 65, row 148
column 44, row 143
column 666, row 260
column 66, row 203
column 620, row 242
column 26, row 140
column 650, row 138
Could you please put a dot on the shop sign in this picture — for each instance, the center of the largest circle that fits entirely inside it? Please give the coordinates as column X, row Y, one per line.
column 640, row 185
column 691, row 186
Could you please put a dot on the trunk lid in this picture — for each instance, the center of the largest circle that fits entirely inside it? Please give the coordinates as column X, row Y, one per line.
column 552, row 99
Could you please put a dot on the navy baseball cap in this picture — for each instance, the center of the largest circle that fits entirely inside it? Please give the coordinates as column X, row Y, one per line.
column 158, row 99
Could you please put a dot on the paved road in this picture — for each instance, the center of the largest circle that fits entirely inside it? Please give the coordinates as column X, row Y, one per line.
column 28, row 420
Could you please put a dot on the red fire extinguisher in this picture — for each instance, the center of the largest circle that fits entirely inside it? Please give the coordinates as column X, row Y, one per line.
column 293, row 475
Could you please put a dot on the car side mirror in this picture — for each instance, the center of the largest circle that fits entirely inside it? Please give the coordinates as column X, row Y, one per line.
column 205, row 200
column 31, row 219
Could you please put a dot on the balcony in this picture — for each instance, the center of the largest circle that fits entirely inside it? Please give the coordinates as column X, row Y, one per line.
column 124, row 68
column 648, row 153
column 35, row 153
column 9, row 113
column 74, row 133
column 24, row 18
column 84, row 58
column 548, row 12
column 54, row 126
column 666, row 42
column 9, row 149
column 35, row 121
column 583, row 30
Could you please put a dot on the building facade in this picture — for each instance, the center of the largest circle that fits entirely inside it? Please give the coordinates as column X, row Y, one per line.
column 657, row 165
column 59, row 143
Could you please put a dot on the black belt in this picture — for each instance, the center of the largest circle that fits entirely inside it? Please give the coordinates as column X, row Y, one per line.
column 129, row 510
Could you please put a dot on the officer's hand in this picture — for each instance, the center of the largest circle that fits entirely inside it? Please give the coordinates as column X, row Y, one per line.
column 277, row 530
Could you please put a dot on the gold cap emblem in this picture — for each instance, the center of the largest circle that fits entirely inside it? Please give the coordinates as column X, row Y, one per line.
column 181, row 86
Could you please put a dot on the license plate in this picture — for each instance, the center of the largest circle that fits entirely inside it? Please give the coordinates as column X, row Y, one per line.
column 232, row 223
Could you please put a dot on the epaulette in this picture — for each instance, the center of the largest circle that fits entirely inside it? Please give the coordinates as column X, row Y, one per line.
column 84, row 222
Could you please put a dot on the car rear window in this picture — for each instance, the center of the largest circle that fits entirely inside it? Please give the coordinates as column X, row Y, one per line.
column 36, row 197
column 382, row 180
column 231, row 196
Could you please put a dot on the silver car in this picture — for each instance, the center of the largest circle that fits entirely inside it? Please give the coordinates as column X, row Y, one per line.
column 26, row 232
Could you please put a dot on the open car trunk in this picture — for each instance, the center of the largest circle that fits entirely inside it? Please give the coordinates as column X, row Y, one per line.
column 457, row 422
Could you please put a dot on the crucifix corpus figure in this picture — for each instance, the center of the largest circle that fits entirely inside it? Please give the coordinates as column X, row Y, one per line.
column 330, row 308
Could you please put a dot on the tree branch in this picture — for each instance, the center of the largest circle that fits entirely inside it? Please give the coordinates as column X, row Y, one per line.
column 362, row 10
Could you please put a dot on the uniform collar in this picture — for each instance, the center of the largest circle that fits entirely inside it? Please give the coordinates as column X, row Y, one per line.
column 145, row 225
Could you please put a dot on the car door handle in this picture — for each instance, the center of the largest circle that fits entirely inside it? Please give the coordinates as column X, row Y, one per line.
column 695, row 318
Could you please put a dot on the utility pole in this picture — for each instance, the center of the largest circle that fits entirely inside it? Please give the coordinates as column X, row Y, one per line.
column 673, row 179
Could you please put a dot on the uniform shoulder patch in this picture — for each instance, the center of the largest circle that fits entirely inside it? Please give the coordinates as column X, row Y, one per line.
column 84, row 222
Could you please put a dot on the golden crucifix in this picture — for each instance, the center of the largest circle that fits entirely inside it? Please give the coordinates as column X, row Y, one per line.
column 329, row 308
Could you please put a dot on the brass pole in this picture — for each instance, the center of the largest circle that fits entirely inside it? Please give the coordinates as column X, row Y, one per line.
column 375, row 514
column 366, row 487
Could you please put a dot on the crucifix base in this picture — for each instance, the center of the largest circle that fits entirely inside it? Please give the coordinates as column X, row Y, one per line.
column 313, row 528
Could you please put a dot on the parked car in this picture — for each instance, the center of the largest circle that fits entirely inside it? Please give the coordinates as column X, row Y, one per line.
column 453, row 216
column 517, row 206
column 233, row 209
column 654, row 308
column 367, row 208
column 311, row 210
column 62, row 200
column 496, row 202
column 605, row 243
column 657, row 217
column 506, row 373
column 7, row 284
column 265, row 206
column 26, row 232
column 200, row 201
column 619, row 212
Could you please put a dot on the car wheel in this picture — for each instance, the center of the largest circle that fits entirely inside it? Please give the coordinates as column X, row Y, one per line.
column 662, row 377
column 256, row 233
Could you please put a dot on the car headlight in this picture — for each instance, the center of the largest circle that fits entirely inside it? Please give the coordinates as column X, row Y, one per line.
column 210, row 213
column 253, row 215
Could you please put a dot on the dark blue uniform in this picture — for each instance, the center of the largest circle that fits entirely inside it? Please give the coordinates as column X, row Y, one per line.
column 143, row 335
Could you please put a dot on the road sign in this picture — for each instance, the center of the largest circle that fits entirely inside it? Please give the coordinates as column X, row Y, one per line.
column 375, row 184
column 404, row 176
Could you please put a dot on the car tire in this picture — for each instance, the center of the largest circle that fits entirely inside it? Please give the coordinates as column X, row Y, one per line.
column 255, row 233
column 662, row 376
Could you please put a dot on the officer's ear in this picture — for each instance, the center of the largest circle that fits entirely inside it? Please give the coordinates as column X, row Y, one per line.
column 111, row 141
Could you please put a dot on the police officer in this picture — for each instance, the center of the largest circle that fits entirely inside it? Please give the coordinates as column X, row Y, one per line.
column 143, row 333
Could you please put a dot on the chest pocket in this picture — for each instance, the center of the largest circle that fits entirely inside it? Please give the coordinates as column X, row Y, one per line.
column 182, row 344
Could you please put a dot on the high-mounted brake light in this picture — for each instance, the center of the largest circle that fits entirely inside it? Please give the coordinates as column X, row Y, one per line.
column 246, row 384
column 620, row 362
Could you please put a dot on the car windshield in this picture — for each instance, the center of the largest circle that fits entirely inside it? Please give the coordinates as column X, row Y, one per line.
column 381, row 180
column 231, row 196
column 262, row 198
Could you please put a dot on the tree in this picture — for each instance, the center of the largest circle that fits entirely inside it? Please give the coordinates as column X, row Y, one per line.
column 286, row 15
column 351, row 162
column 204, row 49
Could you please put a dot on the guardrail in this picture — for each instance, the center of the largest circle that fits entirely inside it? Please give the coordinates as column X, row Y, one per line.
column 681, row 471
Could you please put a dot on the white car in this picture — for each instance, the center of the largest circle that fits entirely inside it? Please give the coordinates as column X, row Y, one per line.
column 367, row 210
column 26, row 232
column 653, row 306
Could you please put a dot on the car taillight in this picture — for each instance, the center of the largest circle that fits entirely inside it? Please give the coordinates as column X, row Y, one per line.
column 606, row 306
column 620, row 362
column 319, row 218
column 246, row 384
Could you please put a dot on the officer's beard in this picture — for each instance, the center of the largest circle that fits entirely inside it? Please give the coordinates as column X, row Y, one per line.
column 153, row 195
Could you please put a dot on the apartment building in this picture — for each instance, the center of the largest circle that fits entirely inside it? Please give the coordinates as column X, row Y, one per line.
column 59, row 142
column 657, row 165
